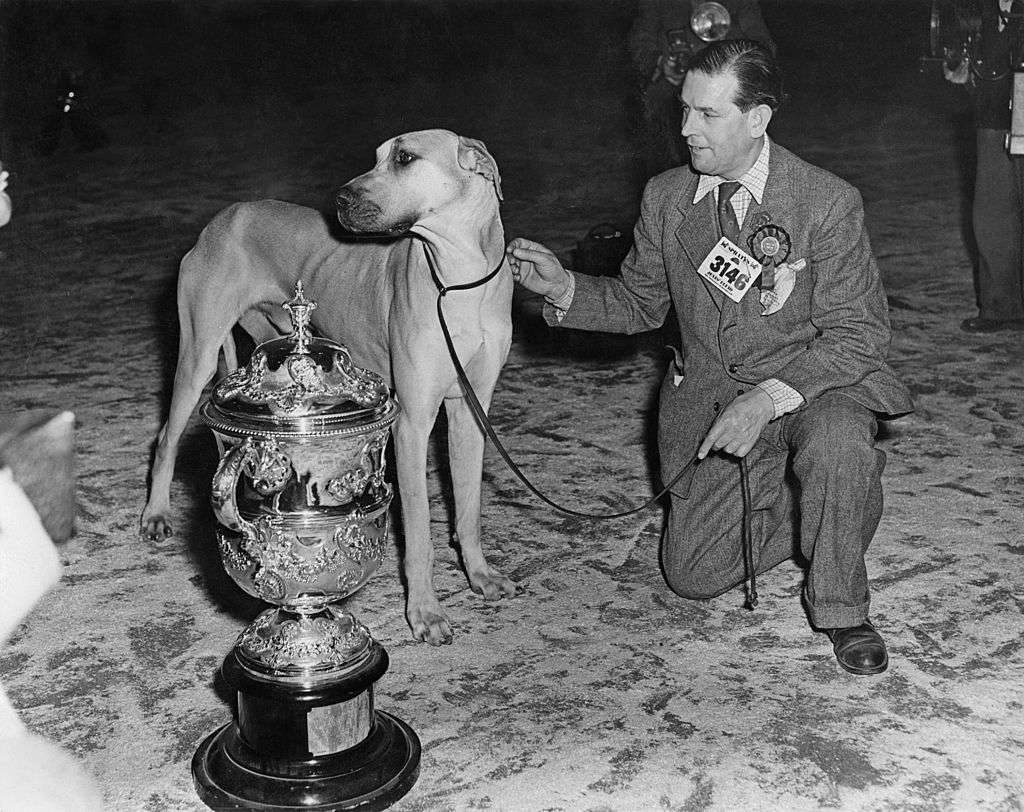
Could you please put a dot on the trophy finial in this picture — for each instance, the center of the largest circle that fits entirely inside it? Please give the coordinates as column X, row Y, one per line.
column 300, row 309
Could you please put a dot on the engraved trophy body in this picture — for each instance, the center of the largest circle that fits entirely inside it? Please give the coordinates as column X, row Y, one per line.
column 302, row 510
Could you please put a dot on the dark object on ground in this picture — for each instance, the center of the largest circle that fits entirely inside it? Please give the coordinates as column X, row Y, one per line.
column 601, row 252
column 977, row 324
column 38, row 447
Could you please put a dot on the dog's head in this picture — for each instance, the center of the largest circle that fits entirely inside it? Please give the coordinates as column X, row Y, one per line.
column 417, row 175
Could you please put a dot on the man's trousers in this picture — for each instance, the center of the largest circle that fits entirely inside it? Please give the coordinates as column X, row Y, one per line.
column 816, row 493
column 998, row 222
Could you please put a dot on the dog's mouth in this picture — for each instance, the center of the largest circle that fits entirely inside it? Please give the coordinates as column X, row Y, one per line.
column 362, row 217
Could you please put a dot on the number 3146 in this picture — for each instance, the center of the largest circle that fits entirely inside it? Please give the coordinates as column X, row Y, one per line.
column 725, row 269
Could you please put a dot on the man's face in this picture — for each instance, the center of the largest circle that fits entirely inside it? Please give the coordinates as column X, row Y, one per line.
column 722, row 139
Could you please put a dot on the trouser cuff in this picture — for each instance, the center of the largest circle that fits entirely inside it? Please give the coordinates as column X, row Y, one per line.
column 837, row 617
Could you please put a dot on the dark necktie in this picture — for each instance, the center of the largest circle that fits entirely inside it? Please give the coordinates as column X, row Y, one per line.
column 726, row 216
column 731, row 227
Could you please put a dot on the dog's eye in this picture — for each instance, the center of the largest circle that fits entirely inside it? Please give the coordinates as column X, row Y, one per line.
column 404, row 158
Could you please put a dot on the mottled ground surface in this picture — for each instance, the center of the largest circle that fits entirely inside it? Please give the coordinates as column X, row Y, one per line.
column 596, row 688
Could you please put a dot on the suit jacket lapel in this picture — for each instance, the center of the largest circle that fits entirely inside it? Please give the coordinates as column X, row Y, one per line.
column 698, row 233
column 777, row 200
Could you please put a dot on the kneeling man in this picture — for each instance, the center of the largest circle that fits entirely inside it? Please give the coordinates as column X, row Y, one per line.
column 782, row 371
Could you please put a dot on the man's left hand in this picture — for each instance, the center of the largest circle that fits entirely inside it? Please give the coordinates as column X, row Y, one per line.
column 739, row 425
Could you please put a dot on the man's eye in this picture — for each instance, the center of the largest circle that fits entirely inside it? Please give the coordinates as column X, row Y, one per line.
column 403, row 157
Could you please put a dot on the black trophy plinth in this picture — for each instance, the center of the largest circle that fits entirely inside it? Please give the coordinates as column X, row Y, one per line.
column 315, row 748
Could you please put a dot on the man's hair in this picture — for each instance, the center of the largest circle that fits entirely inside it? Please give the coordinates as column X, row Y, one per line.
column 756, row 70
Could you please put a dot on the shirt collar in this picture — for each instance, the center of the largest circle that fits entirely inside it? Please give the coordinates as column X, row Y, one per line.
column 753, row 180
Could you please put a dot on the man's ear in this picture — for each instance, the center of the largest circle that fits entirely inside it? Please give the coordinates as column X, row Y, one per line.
column 473, row 155
column 758, row 118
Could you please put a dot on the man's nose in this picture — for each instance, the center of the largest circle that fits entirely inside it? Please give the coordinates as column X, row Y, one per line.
column 686, row 127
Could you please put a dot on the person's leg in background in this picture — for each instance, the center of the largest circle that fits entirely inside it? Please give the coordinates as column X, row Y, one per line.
column 997, row 222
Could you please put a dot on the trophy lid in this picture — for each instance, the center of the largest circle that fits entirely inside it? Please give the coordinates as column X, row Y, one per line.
column 298, row 382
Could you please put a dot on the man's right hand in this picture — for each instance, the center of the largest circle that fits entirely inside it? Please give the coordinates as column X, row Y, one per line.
column 536, row 268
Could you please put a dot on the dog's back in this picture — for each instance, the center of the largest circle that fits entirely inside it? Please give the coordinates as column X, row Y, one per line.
column 258, row 250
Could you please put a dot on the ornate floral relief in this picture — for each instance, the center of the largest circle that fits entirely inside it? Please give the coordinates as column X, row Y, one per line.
column 267, row 466
column 276, row 553
column 244, row 382
column 309, row 382
column 232, row 554
column 348, row 581
column 269, row 585
column 363, row 386
column 374, row 453
column 357, row 546
column 303, row 642
column 307, row 373
column 349, row 485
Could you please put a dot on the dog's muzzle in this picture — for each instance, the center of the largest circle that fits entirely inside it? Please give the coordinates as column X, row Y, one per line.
column 355, row 213
column 360, row 216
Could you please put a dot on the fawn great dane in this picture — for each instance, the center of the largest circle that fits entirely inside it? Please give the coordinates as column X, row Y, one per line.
column 378, row 298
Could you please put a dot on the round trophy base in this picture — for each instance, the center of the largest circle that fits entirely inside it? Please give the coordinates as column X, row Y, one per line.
column 372, row 775
column 318, row 746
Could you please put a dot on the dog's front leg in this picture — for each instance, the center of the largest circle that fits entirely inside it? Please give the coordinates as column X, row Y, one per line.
column 466, row 453
column 427, row 619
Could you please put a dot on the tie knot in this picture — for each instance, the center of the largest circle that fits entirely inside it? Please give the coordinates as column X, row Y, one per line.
column 726, row 191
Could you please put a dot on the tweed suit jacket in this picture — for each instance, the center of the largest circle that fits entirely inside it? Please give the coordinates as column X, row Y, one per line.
column 831, row 334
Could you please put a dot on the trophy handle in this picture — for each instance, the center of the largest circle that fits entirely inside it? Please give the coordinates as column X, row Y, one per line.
column 225, row 483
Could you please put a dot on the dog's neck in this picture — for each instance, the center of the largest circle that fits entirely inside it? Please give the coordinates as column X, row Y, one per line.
column 468, row 253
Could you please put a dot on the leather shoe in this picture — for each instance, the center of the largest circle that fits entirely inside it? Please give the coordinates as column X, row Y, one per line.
column 977, row 324
column 859, row 649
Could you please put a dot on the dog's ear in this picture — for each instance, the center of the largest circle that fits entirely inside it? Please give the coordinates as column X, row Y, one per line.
column 473, row 155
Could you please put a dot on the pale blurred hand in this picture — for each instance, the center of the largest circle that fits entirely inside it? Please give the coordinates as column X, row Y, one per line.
column 739, row 425
column 960, row 74
column 672, row 69
column 536, row 268
column 4, row 174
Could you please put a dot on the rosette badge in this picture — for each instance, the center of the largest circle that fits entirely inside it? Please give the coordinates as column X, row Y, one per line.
column 770, row 245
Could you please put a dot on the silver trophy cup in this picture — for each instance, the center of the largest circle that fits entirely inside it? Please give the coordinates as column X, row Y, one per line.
column 302, row 509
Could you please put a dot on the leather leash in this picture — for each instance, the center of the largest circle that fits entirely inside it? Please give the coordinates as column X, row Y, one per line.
column 485, row 425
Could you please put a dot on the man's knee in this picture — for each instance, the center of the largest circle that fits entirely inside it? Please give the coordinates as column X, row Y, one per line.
column 688, row 569
column 690, row 584
column 839, row 434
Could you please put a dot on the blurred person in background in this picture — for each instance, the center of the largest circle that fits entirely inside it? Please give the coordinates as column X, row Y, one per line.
column 665, row 36
column 5, row 199
column 992, row 33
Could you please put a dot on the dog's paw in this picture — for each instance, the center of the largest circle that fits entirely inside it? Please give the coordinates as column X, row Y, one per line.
column 430, row 625
column 155, row 529
column 492, row 585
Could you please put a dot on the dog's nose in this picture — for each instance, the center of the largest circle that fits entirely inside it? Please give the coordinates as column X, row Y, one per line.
column 344, row 196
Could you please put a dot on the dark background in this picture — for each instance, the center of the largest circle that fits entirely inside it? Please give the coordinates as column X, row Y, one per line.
column 501, row 61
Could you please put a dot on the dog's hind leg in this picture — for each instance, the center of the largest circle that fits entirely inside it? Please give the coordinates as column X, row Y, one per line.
column 466, row 454
column 205, row 321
